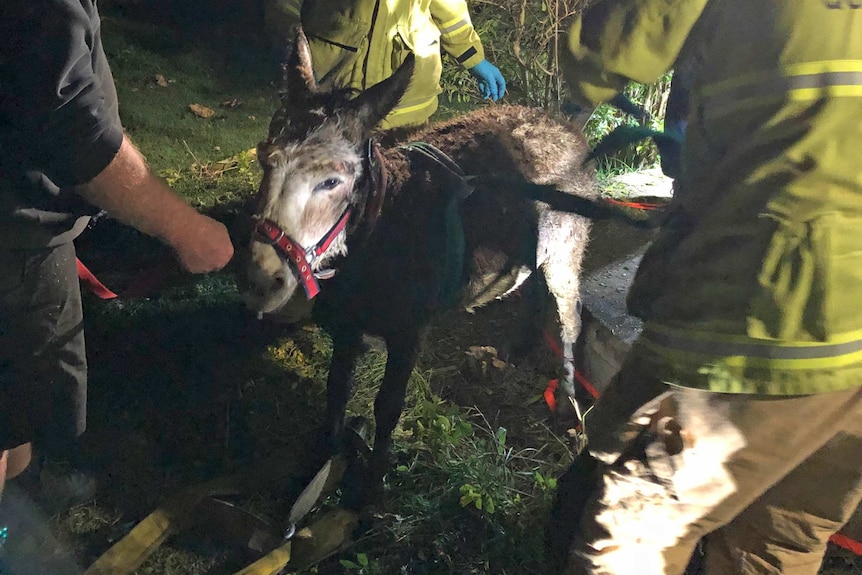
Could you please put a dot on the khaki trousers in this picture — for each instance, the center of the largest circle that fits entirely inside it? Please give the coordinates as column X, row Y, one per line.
column 768, row 478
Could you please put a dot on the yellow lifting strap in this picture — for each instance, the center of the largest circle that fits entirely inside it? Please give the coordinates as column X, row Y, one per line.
column 173, row 516
column 271, row 563
column 325, row 536
column 313, row 543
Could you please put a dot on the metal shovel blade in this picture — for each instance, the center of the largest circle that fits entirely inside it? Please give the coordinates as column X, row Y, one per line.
column 309, row 496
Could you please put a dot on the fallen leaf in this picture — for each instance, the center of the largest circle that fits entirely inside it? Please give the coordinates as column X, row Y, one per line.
column 482, row 352
column 232, row 103
column 252, row 118
column 202, row 111
column 160, row 80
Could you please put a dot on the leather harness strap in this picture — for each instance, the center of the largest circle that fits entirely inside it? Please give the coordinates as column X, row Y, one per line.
column 379, row 178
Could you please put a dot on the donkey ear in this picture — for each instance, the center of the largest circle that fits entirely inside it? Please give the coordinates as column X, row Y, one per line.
column 372, row 105
column 297, row 77
column 297, row 71
column 300, row 62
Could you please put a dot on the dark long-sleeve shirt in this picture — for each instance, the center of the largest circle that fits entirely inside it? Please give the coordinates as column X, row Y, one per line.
column 59, row 123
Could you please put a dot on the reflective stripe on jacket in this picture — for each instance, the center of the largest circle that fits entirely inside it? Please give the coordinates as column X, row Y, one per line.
column 358, row 43
column 756, row 280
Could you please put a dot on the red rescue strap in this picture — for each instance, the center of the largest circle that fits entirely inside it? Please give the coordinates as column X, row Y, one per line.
column 550, row 391
column 90, row 280
column 636, row 205
column 144, row 284
column 847, row 543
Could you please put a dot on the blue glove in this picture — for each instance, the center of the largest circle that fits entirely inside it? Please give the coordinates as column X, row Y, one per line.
column 491, row 82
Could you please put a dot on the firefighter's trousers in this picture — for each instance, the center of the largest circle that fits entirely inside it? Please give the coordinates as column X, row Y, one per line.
column 767, row 479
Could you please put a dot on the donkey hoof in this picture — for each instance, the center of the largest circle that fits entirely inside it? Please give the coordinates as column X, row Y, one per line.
column 350, row 442
column 361, row 487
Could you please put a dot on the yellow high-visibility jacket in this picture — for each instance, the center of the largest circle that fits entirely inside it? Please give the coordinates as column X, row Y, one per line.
column 755, row 283
column 358, row 43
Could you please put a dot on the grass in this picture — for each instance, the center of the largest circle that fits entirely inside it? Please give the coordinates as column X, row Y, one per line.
column 160, row 73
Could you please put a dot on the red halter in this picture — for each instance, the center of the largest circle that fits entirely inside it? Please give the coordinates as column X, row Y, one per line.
column 302, row 259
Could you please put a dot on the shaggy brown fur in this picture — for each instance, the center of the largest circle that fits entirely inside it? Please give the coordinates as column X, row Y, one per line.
column 390, row 277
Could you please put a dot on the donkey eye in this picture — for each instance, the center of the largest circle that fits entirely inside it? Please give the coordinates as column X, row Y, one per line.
column 327, row 184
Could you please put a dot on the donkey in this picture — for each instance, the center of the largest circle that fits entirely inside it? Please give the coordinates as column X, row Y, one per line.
column 397, row 230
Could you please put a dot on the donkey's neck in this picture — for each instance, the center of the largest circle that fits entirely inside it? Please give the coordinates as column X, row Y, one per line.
column 383, row 177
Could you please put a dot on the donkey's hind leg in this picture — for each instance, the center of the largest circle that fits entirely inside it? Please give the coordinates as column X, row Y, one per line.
column 567, row 296
column 562, row 270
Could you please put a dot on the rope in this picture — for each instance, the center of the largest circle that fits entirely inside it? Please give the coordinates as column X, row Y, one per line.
column 144, row 283
column 550, row 391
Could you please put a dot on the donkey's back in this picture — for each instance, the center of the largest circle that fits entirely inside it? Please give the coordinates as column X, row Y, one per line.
column 505, row 151
column 541, row 148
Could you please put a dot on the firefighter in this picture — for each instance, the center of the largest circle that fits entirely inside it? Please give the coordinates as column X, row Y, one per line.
column 358, row 43
column 738, row 412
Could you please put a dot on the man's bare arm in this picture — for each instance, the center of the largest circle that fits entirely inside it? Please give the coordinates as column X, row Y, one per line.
column 128, row 191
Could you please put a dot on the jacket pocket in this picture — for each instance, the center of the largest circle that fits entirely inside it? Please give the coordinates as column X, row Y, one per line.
column 424, row 43
column 811, row 279
column 841, row 248
column 337, row 42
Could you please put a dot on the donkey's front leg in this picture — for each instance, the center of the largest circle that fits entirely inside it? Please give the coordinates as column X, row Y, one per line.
column 402, row 354
column 346, row 347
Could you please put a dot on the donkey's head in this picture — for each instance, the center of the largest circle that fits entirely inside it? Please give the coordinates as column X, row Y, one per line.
column 312, row 160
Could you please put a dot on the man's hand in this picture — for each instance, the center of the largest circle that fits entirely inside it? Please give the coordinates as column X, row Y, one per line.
column 127, row 191
column 491, row 82
column 205, row 247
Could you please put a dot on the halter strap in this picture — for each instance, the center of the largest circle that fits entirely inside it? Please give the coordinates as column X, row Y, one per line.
column 301, row 259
